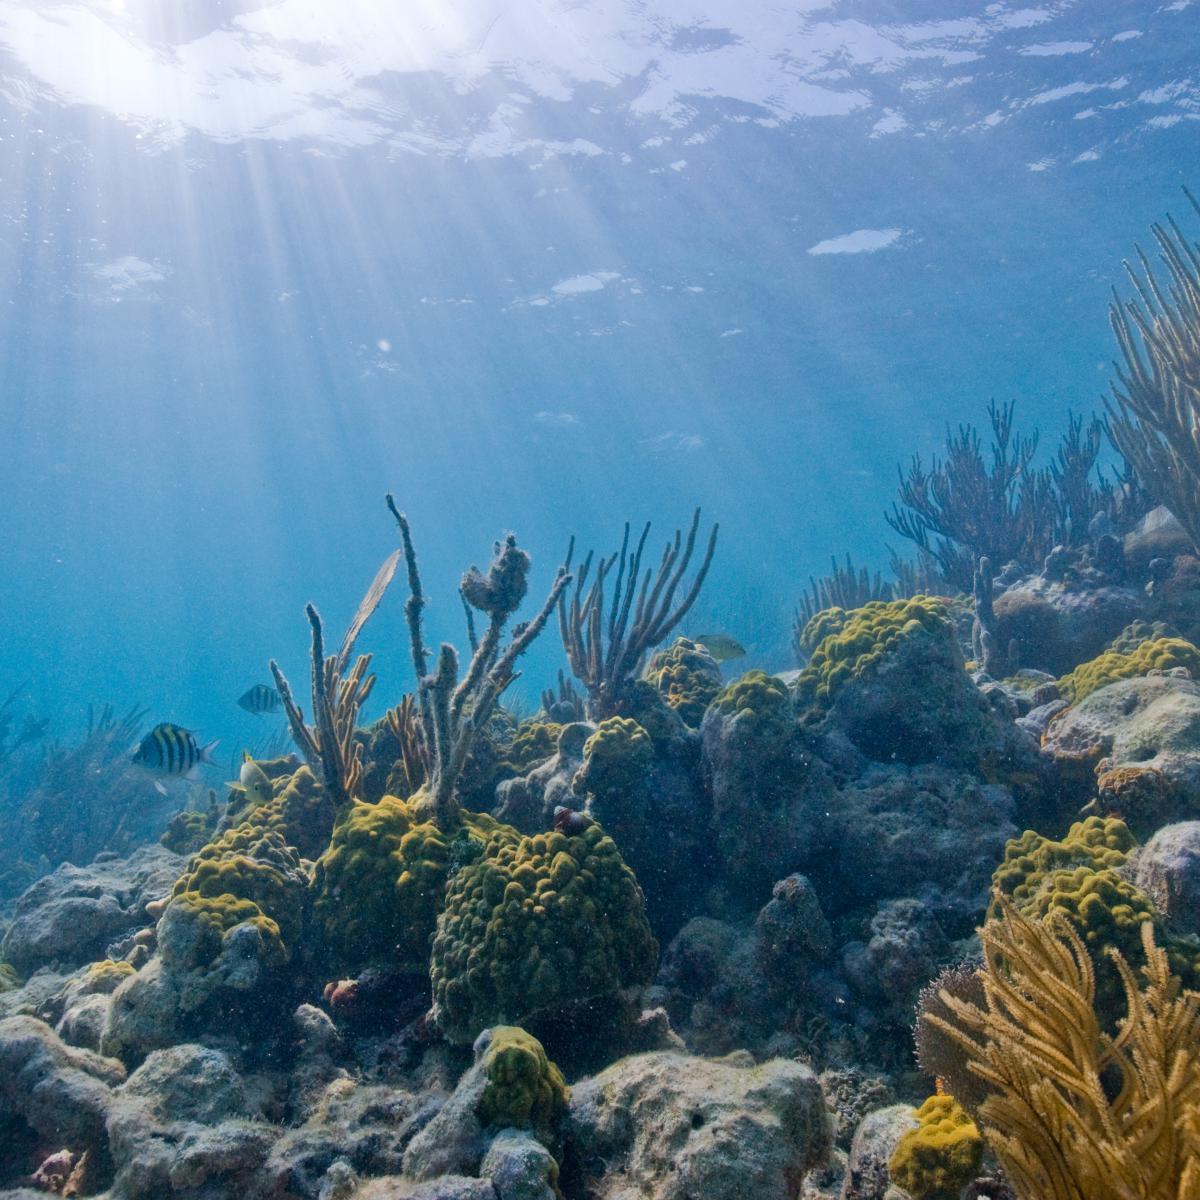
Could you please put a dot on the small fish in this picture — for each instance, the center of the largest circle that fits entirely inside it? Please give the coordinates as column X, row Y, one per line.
column 254, row 779
column 721, row 646
column 171, row 750
column 260, row 699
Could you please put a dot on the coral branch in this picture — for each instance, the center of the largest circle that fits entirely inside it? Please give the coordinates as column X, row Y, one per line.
column 606, row 654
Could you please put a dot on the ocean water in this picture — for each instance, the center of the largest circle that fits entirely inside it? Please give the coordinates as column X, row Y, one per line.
column 542, row 269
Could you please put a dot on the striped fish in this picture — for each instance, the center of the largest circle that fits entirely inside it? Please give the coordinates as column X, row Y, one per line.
column 172, row 750
column 260, row 699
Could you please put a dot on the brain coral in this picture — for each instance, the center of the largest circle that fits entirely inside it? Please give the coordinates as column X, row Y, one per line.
column 379, row 886
column 941, row 1156
column 854, row 643
column 1158, row 654
column 535, row 923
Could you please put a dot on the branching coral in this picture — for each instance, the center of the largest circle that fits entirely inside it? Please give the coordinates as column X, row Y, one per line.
column 1154, row 411
column 1075, row 1113
column 453, row 712
column 963, row 508
column 328, row 744
column 608, row 637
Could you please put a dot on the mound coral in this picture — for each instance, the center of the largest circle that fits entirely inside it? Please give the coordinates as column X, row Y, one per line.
column 616, row 759
column 378, row 887
column 688, row 677
column 534, row 923
column 523, row 1089
column 854, row 643
column 942, row 1155
column 533, row 742
column 1159, row 654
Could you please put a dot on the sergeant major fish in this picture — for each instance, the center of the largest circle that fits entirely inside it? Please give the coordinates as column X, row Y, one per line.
column 171, row 750
column 260, row 699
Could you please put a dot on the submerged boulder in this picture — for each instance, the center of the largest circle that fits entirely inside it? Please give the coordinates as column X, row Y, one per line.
column 666, row 1126
column 69, row 917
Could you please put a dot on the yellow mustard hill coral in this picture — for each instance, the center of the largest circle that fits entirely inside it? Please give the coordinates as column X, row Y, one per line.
column 188, row 830
column 379, row 886
column 246, row 875
column 756, row 698
column 523, row 1089
column 688, row 677
column 533, row 924
column 532, row 743
column 1160, row 654
column 941, row 1156
column 293, row 804
column 1078, row 876
column 106, row 976
column 616, row 758
column 856, row 642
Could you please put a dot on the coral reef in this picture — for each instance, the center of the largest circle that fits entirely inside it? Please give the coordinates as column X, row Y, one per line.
column 1150, row 656
column 688, row 677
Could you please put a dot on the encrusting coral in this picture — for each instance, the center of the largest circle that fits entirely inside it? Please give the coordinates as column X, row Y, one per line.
column 1075, row 1112
column 847, row 645
column 1157, row 654
column 942, row 1155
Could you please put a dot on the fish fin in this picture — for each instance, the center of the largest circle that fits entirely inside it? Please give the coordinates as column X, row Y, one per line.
column 206, row 751
column 247, row 756
column 160, row 787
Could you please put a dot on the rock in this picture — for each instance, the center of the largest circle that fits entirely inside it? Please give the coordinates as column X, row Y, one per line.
column 70, row 916
column 666, row 1126
column 529, row 801
column 520, row 1167
column 366, row 1126
column 899, row 957
column 1072, row 623
column 867, row 1174
column 1167, row 868
column 791, row 931
column 62, row 1092
column 1147, row 724
column 83, row 1024
column 448, row 1187
column 143, row 1015
column 1157, row 535
column 916, row 831
column 184, row 1126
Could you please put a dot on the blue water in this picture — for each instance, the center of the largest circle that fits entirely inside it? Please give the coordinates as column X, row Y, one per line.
column 541, row 267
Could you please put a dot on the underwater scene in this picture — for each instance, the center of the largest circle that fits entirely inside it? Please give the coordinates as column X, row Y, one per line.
column 601, row 600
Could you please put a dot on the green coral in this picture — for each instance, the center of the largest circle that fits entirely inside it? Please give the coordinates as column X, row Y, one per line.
column 1159, row 654
column 616, row 758
column 1079, row 875
column 523, row 1088
column 532, row 743
column 688, row 677
column 941, row 1156
column 106, row 976
column 757, row 698
column 1137, row 632
column 380, row 883
column 852, row 644
column 536, row 923
column 294, row 805
column 247, row 875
